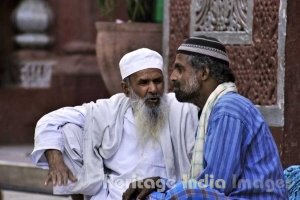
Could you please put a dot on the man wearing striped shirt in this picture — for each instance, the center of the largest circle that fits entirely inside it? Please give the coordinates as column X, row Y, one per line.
column 235, row 156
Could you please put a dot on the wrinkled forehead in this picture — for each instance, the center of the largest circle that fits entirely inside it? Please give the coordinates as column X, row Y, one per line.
column 181, row 59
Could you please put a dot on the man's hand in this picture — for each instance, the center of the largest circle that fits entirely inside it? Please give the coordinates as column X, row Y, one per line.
column 58, row 172
column 141, row 189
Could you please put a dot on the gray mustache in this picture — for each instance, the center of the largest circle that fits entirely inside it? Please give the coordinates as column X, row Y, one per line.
column 149, row 96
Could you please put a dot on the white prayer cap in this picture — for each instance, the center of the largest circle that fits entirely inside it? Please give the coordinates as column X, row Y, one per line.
column 138, row 60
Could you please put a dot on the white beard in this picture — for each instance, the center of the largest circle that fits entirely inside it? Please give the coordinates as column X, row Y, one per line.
column 149, row 120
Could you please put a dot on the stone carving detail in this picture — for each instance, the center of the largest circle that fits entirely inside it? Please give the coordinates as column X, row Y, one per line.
column 228, row 20
column 36, row 74
column 221, row 15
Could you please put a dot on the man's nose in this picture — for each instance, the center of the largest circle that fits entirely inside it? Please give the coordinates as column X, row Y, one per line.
column 173, row 76
column 152, row 88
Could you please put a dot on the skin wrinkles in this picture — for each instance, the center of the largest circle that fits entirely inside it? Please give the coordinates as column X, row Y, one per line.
column 186, row 80
column 147, row 84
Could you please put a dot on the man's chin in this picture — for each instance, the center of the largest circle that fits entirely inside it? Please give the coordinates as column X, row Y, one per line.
column 178, row 94
column 181, row 97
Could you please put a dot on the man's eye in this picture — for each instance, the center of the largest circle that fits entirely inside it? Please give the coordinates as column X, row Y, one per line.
column 143, row 82
column 157, row 81
column 178, row 68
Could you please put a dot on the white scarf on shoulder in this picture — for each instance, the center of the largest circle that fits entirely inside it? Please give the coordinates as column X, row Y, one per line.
column 198, row 153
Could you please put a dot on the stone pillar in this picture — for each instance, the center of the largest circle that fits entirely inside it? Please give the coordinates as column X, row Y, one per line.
column 32, row 19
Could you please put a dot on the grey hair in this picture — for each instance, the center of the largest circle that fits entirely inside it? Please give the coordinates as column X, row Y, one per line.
column 218, row 70
column 127, row 80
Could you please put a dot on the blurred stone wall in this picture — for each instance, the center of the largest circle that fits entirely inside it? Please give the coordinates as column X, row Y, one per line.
column 75, row 79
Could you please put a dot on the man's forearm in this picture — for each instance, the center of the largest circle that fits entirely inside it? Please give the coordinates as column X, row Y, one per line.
column 58, row 173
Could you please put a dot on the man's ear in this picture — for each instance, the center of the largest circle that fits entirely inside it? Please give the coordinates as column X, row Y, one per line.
column 204, row 73
column 125, row 88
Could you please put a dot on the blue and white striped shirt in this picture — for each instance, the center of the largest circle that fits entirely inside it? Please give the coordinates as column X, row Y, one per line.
column 240, row 156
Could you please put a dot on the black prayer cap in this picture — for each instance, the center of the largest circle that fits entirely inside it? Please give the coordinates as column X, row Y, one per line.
column 202, row 45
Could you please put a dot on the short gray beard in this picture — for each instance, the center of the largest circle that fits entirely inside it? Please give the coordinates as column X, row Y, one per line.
column 189, row 91
column 192, row 85
column 149, row 120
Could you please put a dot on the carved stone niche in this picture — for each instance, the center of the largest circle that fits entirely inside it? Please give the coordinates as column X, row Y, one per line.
column 228, row 20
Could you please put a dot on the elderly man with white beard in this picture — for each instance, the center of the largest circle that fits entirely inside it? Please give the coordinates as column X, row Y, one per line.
column 98, row 148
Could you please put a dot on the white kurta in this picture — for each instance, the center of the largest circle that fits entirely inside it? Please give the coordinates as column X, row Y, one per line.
column 124, row 159
column 133, row 160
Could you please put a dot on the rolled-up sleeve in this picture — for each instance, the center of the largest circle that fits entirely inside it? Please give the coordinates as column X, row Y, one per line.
column 48, row 133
